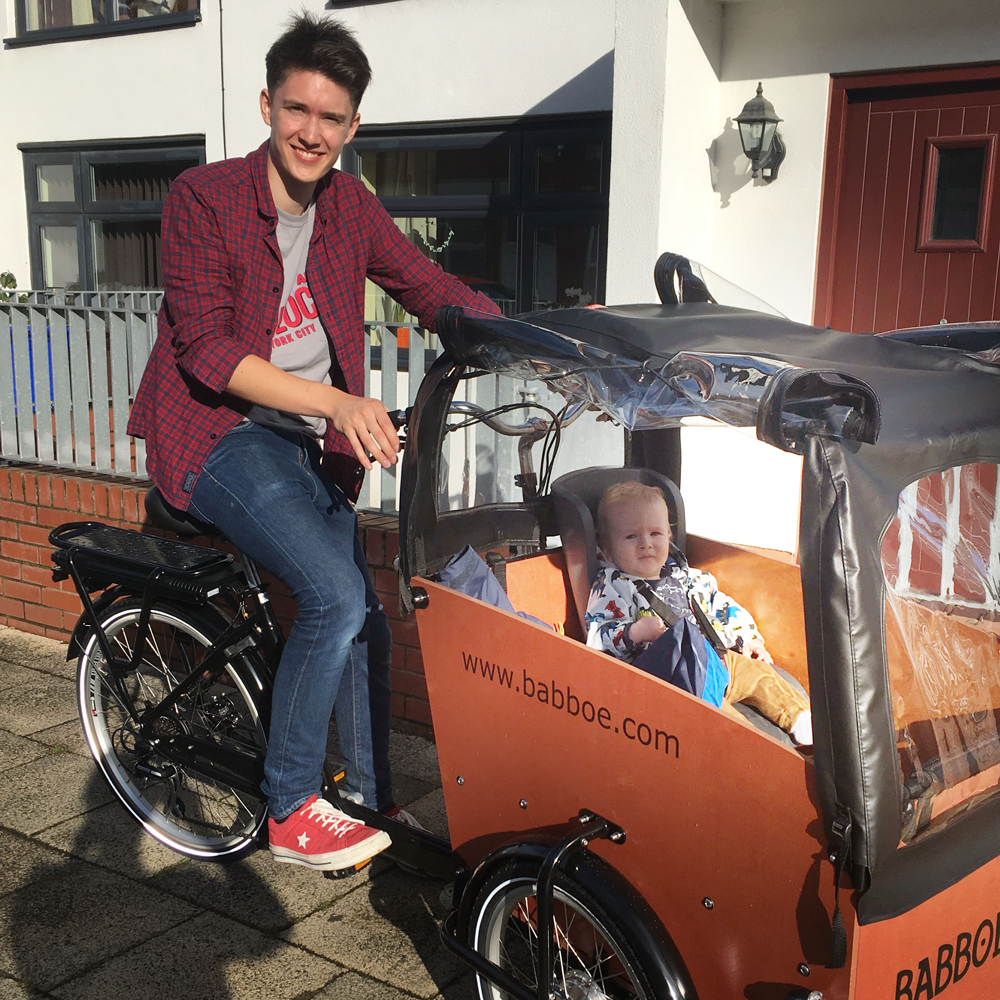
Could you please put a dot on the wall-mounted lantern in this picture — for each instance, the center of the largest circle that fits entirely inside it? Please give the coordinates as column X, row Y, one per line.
column 759, row 134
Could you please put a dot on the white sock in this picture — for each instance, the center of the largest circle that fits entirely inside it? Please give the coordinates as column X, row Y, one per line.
column 802, row 729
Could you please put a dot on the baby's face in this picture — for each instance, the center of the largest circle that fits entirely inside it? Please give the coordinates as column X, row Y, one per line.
column 636, row 537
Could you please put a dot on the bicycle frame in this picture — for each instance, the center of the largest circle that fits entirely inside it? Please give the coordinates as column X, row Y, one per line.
column 254, row 625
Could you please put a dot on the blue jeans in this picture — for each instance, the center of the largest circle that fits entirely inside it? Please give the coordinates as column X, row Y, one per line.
column 266, row 492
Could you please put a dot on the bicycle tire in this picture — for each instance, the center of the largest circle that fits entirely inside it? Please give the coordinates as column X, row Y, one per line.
column 188, row 812
column 593, row 957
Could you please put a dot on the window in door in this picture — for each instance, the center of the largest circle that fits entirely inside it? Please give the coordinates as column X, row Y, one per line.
column 956, row 198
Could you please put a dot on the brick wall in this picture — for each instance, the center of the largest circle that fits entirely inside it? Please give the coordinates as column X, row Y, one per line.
column 33, row 500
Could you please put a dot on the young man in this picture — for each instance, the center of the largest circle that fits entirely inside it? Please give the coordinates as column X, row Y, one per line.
column 254, row 393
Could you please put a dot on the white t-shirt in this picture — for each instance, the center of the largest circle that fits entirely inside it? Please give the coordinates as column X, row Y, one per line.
column 299, row 343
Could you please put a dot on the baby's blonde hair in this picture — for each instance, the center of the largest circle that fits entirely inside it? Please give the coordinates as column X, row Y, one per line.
column 630, row 491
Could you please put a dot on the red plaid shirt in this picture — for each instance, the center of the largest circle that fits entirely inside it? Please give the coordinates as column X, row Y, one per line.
column 223, row 277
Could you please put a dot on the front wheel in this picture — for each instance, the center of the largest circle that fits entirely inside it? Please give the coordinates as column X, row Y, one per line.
column 188, row 812
column 593, row 959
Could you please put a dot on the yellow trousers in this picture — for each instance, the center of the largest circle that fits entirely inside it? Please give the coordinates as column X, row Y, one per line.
column 758, row 684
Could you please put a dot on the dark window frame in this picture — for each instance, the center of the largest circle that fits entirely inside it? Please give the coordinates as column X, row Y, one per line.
column 41, row 36
column 526, row 135
column 533, row 220
column 925, row 238
column 85, row 210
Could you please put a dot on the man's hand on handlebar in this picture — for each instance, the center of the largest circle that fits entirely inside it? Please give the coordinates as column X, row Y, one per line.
column 366, row 423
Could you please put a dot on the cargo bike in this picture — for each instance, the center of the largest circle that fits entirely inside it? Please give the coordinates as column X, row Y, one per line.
column 611, row 835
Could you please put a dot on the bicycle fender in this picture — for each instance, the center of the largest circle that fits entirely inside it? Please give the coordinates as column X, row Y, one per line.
column 623, row 903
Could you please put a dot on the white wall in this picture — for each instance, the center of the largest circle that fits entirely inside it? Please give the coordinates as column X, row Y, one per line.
column 665, row 111
column 443, row 59
column 145, row 84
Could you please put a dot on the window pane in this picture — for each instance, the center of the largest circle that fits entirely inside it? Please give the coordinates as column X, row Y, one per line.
column 480, row 252
column 566, row 263
column 127, row 254
column 569, row 167
column 44, row 14
column 417, row 172
column 55, row 182
column 940, row 560
column 60, row 257
column 957, row 193
column 147, row 181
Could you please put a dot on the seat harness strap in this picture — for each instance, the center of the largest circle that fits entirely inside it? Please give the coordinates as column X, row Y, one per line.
column 659, row 607
column 840, row 854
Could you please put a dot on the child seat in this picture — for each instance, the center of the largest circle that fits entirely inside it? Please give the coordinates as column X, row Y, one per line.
column 576, row 497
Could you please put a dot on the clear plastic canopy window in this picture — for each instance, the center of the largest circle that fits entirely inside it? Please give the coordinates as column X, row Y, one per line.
column 661, row 392
column 941, row 562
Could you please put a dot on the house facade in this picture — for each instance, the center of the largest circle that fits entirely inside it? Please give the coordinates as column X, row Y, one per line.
column 547, row 153
column 563, row 143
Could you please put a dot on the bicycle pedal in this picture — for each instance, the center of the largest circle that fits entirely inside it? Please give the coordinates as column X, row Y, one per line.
column 340, row 873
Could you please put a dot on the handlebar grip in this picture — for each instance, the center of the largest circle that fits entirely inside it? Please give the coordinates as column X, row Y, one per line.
column 400, row 418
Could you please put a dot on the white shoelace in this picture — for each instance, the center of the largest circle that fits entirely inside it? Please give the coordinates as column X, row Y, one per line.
column 331, row 818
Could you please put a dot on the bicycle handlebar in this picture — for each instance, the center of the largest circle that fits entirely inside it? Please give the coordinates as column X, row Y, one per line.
column 400, row 418
column 530, row 426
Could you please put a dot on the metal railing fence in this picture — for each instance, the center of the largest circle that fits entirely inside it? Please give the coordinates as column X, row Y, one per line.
column 70, row 363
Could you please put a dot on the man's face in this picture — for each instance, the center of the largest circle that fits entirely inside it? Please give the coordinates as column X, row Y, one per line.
column 636, row 537
column 311, row 120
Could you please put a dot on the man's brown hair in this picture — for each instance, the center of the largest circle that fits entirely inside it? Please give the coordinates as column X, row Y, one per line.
column 322, row 45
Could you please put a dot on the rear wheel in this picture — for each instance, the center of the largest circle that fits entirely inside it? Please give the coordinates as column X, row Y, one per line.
column 188, row 812
column 593, row 959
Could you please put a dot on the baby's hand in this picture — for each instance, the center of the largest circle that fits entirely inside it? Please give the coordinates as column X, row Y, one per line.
column 646, row 629
column 755, row 649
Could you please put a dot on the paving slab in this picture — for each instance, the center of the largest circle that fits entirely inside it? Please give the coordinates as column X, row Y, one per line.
column 91, row 906
column 110, row 837
column 10, row 989
column 22, row 859
column 15, row 750
column 67, row 736
column 50, row 790
column 11, row 675
column 35, row 651
column 257, row 890
column 388, row 930
column 414, row 756
column 351, row 986
column 430, row 813
column 463, row 989
column 71, row 915
column 208, row 958
column 39, row 701
column 407, row 789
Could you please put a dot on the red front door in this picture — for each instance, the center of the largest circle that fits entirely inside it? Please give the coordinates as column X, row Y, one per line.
column 911, row 227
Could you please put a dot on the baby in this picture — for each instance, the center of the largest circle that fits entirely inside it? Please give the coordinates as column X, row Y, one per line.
column 633, row 529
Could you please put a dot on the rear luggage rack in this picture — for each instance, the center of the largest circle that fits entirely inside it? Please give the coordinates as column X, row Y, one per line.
column 98, row 555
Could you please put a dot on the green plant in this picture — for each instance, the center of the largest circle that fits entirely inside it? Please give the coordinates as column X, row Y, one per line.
column 7, row 280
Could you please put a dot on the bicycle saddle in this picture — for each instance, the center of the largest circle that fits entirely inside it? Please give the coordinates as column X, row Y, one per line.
column 165, row 516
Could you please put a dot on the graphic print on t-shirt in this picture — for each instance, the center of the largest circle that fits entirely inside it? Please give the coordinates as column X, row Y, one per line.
column 296, row 320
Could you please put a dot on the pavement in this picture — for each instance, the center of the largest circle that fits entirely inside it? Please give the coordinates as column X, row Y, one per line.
column 91, row 907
